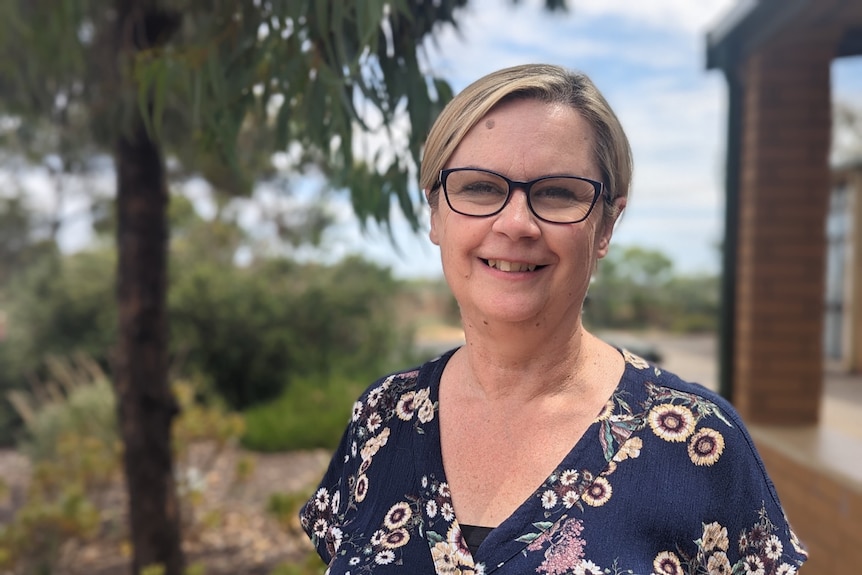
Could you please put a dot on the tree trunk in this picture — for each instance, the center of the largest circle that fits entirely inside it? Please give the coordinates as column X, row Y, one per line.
column 146, row 406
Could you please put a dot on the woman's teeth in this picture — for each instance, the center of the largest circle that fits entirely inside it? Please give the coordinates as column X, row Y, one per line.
column 505, row 266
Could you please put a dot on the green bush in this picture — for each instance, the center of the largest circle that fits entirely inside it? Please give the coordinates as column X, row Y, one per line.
column 72, row 440
column 87, row 411
column 311, row 413
column 57, row 306
column 250, row 332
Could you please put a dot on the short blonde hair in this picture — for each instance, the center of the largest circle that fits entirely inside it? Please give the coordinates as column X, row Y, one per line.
column 546, row 83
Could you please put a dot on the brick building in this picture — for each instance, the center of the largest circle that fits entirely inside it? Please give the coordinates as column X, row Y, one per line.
column 776, row 56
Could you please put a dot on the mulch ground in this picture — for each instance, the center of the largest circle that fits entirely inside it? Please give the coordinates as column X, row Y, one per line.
column 239, row 538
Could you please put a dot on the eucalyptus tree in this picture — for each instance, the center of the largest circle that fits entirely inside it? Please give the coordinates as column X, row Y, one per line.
column 211, row 84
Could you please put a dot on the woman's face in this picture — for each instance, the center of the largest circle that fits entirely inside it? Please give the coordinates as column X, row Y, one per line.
column 513, row 267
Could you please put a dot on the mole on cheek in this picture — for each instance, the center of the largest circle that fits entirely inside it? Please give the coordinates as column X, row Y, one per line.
column 489, row 124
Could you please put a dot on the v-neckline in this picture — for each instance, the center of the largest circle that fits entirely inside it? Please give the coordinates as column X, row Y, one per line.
column 512, row 535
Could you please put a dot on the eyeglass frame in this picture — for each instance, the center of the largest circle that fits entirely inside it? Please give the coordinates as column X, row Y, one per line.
column 598, row 187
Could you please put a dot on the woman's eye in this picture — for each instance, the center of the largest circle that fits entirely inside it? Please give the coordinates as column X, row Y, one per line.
column 482, row 189
column 557, row 194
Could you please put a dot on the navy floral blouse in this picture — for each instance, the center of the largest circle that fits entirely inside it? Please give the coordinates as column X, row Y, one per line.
column 666, row 481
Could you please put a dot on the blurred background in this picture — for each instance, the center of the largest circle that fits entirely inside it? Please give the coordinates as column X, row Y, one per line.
column 211, row 238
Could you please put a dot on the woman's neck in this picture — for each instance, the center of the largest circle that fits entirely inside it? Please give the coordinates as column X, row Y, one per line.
column 513, row 362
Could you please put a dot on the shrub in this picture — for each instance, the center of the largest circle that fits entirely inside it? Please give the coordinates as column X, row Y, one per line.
column 72, row 439
column 311, row 413
column 250, row 332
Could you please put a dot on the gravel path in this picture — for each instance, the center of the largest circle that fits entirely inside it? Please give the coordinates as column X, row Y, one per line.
column 241, row 538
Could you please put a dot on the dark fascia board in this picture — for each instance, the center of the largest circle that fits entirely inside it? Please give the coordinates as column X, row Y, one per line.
column 851, row 43
column 749, row 23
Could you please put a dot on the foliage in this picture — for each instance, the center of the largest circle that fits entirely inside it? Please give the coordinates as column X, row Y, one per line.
column 58, row 305
column 199, row 76
column 218, row 83
column 245, row 332
column 312, row 412
column 250, row 331
column 285, row 508
column 73, row 442
column 20, row 243
column 635, row 288
column 311, row 565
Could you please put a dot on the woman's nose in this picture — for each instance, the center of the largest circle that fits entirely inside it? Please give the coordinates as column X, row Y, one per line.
column 516, row 219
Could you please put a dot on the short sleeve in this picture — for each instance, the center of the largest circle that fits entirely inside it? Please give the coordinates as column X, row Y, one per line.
column 321, row 516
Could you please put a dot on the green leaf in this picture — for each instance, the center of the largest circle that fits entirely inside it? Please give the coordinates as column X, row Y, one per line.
column 528, row 538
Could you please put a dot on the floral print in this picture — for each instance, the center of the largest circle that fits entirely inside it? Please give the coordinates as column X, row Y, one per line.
column 706, row 447
column 761, row 552
column 644, row 492
column 671, row 422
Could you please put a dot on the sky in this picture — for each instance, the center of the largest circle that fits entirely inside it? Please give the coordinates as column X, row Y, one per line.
column 648, row 59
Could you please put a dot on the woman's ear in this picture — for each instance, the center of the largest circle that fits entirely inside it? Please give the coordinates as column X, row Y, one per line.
column 604, row 239
column 433, row 233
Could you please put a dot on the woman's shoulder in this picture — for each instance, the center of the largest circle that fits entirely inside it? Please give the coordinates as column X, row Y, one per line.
column 710, row 433
column 683, row 412
column 423, row 375
column 660, row 384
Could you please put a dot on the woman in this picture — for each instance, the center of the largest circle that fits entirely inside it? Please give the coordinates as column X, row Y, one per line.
column 536, row 447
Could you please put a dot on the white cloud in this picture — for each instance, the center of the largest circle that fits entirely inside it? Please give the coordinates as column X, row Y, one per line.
column 648, row 59
column 693, row 17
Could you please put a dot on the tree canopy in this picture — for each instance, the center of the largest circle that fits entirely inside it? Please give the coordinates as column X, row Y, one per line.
column 214, row 86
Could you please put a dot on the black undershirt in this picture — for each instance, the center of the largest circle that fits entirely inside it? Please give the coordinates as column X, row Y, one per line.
column 474, row 535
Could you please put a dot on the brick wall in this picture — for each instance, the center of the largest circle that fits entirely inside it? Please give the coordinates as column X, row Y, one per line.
column 784, row 190
column 825, row 512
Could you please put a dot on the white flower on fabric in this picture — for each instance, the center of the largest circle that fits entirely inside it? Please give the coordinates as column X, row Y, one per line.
column 321, row 499
column 320, row 528
column 570, row 498
column 444, row 490
column 374, row 396
column 569, row 477
column 549, row 499
column 361, row 488
column 337, row 536
column 719, row 564
column 714, row 537
column 377, row 537
column 588, row 568
column 374, row 422
column 752, row 565
column 336, row 502
column 774, row 548
column 357, row 411
column 385, row 557
column 406, row 406
column 426, row 411
column 398, row 515
column 447, row 512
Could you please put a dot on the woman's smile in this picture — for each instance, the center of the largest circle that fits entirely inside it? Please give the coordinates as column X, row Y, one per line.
column 511, row 266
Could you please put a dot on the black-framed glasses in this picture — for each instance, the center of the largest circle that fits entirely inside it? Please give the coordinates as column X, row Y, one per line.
column 554, row 199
